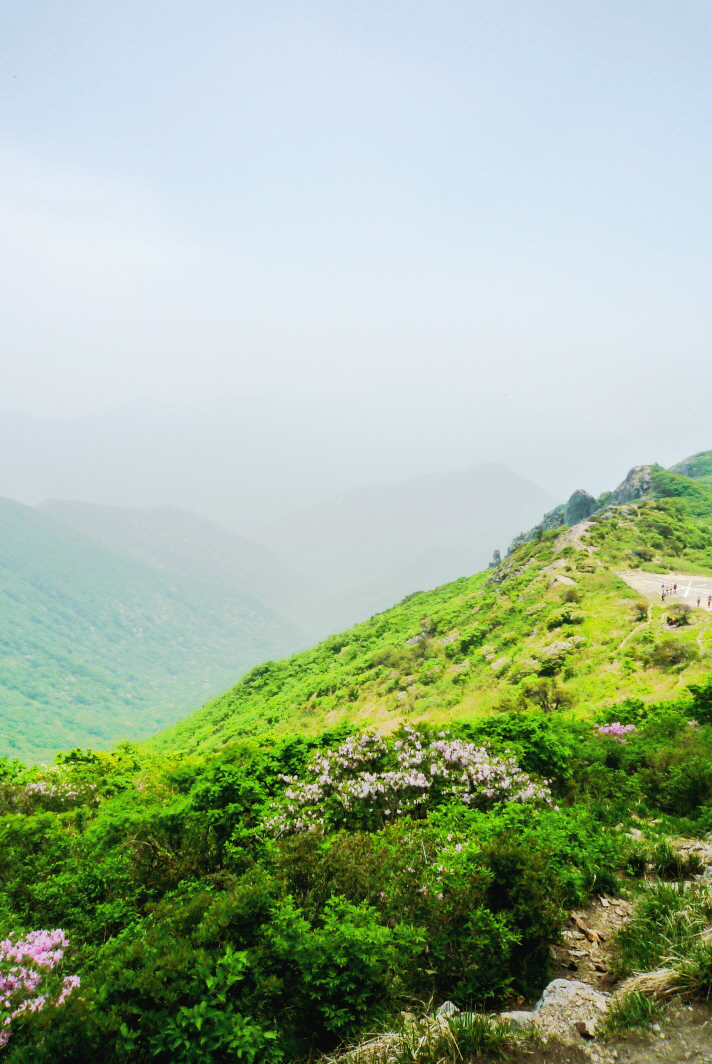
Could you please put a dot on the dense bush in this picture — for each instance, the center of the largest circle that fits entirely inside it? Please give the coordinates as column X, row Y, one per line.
column 201, row 927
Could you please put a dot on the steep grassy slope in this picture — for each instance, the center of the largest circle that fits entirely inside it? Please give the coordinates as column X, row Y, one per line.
column 304, row 889
column 95, row 647
column 555, row 625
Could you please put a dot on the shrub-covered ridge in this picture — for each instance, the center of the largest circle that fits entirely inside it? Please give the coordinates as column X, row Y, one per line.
column 555, row 625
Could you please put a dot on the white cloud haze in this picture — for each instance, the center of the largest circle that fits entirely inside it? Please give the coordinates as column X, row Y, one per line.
column 475, row 232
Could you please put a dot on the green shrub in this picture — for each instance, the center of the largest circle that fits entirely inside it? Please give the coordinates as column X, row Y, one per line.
column 335, row 976
column 566, row 614
column 665, row 926
column 213, row 1030
column 670, row 652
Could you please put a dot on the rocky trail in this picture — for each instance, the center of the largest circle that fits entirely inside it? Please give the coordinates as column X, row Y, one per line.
column 569, row 1018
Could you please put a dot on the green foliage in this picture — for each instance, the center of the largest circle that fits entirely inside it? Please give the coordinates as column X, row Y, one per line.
column 667, row 922
column 697, row 466
column 341, row 971
column 669, row 652
column 564, row 615
column 95, row 646
column 632, row 1010
column 212, row 1030
column 199, row 930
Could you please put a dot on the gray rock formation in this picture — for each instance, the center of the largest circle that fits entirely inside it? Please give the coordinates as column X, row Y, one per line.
column 569, row 1009
column 696, row 466
column 637, row 484
column 519, row 1019
column 554, row 519
column 580, row 506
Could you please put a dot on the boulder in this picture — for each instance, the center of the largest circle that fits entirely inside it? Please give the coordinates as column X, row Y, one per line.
column 519, row 1020
column 553, row 519
column 566, row 1004
column 580, row 506
column 637, row 484
column 447, row 1009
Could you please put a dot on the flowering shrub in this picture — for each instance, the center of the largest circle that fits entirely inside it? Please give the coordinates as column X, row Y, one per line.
column 616, row 730
column 24, row 964
column 56, row 792
column 371, row 780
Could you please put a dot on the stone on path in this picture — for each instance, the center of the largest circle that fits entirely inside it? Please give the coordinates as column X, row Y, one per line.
column 565, row 1005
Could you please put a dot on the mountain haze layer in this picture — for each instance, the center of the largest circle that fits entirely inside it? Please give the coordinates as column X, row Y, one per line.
column 117, row 621
column 97, row 647
column 367, row 548
column 187, row 544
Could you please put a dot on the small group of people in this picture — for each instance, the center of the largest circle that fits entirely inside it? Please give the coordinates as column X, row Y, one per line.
column 671, row 589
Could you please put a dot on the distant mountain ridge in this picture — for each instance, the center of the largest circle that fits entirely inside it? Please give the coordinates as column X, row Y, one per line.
column 97, row 647
column 335, row 562
column 371, row 546
column 187, row 544
column 115, row 621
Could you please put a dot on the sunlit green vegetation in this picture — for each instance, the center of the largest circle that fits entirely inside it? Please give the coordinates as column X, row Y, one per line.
column 550, row 628
column 265, row 878
column 95, row 647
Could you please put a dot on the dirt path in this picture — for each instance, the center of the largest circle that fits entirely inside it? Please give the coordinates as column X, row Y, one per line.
column 682, row 1036
column 640, row 628
column 572, row 538
column 588, row 941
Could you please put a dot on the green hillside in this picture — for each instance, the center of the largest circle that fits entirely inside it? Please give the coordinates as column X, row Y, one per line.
column 554, row 626
column 96, row 647
column 165, row 537
column 273, row 879
column 697, row 466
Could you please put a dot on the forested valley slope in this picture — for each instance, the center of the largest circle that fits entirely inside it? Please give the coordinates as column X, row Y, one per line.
column 96, row 646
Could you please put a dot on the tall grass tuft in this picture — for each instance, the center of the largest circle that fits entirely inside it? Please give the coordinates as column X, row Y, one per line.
column 431, row 1040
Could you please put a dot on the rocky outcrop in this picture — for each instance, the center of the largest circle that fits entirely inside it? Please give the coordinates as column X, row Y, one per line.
column 638, row 483
column 697, row 465
column 554, row 519
column 580, row 506
column 561, row 516
column 570, row 1009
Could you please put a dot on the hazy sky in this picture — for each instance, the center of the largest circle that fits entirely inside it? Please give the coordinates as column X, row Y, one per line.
column 503, row 202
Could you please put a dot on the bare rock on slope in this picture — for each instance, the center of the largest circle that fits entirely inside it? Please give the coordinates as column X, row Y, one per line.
column 580, row 506
column 637, row 484
column 566, row 1004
